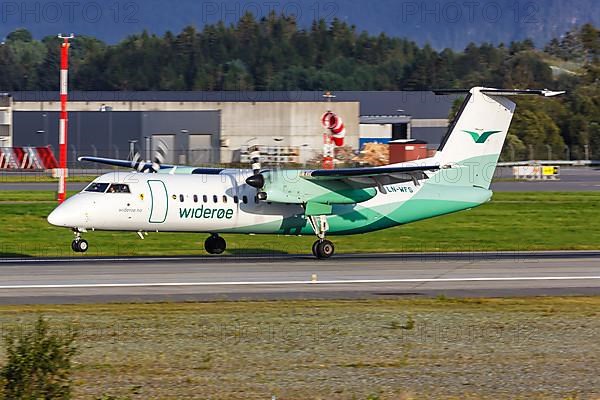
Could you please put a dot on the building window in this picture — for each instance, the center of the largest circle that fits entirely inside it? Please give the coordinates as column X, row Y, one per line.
column 195, row 198
column 224, row 199
column 215, row 198
column 399, row 131
column 181, row 198
column 205, row 198
column 245, row 199
column 256, row 199
column 236, row 199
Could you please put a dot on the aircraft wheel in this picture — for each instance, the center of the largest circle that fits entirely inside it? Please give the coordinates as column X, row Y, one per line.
column 83, row 246
column 324, row 249
column 215, row 244
column 79, row 245
column 314, row 248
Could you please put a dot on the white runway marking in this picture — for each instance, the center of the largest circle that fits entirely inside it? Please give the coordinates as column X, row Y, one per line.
column 308, row 282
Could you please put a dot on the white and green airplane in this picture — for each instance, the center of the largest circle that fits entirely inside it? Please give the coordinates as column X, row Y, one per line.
column 300, row 202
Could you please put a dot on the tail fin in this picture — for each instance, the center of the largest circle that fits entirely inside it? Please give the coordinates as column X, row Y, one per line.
column 474, row 141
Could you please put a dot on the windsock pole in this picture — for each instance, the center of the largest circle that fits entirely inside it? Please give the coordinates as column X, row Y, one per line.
column 63, row 122
column 327, row 145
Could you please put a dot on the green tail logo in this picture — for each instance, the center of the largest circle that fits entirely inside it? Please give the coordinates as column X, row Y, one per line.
column 481, row 138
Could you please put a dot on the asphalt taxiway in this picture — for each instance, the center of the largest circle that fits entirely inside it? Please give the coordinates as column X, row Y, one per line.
column 97, row 280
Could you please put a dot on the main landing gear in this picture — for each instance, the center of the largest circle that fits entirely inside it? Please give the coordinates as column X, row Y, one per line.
column 79, row 245
column 322, row 248
column 215, row 244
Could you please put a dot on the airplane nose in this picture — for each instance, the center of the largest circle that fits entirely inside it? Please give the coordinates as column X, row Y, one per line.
column 58, row 217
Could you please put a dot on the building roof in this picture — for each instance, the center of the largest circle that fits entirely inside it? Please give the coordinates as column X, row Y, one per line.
column 418, row 104
column 408, row 141
column 385, row 119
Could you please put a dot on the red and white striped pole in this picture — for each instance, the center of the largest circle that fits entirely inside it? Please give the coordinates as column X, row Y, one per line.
column 63, row 122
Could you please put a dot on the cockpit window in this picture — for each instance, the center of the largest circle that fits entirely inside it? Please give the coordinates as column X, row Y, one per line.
column 96, row 187
column 118, row 188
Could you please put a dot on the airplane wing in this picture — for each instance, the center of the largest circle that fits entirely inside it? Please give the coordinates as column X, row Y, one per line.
column 369, row 177
column 145, row 166
column 123, row 163
column 325, row 174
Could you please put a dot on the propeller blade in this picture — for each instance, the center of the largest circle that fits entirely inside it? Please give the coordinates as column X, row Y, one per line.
column 136, row 162
column 255, row 157
column 160, row 155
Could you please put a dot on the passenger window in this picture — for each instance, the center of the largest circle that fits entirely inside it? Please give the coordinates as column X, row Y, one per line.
column 215, row 199
column 245, row 199
column 224, row 199
column 195, row 198
column 181, row 198
column 96, row 187
column 204, row 198
column 118, row 188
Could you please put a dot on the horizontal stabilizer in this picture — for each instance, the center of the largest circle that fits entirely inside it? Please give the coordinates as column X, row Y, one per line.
column 504, row 92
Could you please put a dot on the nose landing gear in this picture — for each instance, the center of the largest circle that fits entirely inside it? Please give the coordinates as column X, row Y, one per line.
column 215, row 244
column 79, row 245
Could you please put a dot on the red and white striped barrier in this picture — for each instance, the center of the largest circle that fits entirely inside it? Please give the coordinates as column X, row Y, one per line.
column 335, row 124
column 27, row 158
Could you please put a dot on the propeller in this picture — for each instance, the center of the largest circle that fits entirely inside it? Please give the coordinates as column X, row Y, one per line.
column 257, row 180
column 150, row 166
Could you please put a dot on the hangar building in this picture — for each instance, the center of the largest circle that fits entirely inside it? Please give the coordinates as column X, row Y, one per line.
column 217, row 127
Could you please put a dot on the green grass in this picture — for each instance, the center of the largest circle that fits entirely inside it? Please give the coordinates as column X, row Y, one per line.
column 511, row 222
column 537, row 348
column 32, row 196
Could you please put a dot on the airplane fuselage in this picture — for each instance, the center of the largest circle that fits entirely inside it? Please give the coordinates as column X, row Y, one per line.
column 224, row 203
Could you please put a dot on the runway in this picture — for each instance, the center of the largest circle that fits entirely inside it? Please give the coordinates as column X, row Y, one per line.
column 37, row 281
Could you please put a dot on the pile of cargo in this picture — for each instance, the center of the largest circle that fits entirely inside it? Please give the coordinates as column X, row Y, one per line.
column 374, row 154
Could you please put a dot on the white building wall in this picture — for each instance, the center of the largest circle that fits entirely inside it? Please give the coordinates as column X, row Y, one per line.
column 429, row 123
column 376, row 131
column 6, row 125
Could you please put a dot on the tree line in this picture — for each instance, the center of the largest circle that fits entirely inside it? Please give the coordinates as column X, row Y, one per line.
column 274, row 53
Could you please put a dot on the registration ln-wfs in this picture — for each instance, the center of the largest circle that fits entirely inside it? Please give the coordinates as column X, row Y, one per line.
column 300, row 202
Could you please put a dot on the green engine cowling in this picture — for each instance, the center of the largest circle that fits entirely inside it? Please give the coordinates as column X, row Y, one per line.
column 288, row 186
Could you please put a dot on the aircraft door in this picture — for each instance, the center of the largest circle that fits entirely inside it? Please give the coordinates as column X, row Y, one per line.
column 159, row 202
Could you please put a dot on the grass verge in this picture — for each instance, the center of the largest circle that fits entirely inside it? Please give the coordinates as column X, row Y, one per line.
column 453, row 349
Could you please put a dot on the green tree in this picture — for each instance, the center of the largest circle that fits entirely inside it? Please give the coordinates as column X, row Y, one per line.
column 236, row 76
column 536, row 130
column 27, row 55
column 590, row 41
